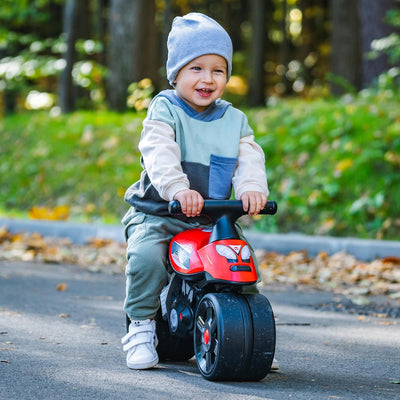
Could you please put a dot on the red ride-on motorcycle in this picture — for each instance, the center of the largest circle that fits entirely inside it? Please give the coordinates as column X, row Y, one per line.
column 205, row 310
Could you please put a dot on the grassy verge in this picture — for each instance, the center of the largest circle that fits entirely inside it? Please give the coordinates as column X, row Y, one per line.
column 82, row 161
column 333, row 166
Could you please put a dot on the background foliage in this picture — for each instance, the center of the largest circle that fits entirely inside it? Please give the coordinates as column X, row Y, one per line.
column 333, row 165
column 331, row 139
column 87, row 54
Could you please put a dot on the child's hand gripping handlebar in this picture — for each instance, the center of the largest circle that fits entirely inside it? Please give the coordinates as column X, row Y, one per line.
column 216, row 208
column 223, row 214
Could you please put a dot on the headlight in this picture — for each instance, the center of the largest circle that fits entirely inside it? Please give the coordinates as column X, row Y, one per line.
column 180, row 255
column 245, row 254
column 226, row 252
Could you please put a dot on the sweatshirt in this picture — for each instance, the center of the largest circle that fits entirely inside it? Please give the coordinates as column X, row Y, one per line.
column 210, row 152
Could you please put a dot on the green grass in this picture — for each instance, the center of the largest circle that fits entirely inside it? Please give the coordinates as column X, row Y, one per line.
column 333, row 166
column 84, row 160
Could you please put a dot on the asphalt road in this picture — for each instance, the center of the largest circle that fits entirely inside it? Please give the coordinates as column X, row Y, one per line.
column 65, row 344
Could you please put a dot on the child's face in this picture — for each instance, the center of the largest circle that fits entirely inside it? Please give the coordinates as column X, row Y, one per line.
column 202, row 81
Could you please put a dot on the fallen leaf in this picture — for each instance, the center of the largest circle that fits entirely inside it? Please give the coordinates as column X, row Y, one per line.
column 62, row 287
column 99, row 242
column 391, row 259
column 388, row 323
column 4, row 235
column 56, row 213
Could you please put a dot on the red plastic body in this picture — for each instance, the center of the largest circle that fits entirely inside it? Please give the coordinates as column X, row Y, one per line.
column 192, row 255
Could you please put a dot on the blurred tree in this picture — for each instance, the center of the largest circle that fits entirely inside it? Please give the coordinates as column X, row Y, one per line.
column 257, row 77
column 100, row 22
column 389, row 45
column 75, row 26
column 23, row 27
column 285, row 48
column 314, row 40
column 346, row 46
column 132, row 48
column 167, row 18
column 298, row 45
column 373, row 26
column 355, row 24
column 281, row 47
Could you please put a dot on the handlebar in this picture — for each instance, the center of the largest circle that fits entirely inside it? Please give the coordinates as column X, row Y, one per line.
column 223, row 214
column 212, row 207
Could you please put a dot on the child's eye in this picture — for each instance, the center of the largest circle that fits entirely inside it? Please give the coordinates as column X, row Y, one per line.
column 195, row 68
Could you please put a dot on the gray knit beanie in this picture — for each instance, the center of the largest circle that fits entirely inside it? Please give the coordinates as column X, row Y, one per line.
column 192, row 36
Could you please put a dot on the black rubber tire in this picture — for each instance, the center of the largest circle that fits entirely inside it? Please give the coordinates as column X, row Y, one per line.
column 220, row 336
column 230, row 336
column 172, row 347
column 264, row 338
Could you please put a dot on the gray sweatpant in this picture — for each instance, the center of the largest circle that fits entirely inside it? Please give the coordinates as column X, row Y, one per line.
column 148, row 238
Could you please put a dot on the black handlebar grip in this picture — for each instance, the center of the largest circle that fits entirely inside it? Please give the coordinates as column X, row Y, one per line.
column 174, row 207
column 270, row 208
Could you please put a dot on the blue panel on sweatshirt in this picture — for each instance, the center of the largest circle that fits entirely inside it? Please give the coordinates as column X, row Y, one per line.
column 221, row 173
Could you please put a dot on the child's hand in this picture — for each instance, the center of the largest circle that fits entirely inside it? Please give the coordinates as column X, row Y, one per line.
column 253, row 202
column 191, row 202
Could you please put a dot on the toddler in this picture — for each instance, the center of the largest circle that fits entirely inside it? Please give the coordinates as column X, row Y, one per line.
column 194, row 146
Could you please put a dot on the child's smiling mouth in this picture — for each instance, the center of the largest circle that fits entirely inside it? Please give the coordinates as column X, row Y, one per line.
column 204, row 92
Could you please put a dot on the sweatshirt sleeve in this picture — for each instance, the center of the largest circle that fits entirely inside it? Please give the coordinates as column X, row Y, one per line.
column 250, row 172
column 162, row 158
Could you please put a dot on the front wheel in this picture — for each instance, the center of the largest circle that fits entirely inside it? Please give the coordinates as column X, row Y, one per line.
column 234, row 336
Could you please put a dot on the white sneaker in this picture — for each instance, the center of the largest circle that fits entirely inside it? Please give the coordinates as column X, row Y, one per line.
column 140, row 343
column 275, row 365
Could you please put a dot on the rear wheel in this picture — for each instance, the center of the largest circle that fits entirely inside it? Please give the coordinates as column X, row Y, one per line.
column 172, row 347
column 234, row 336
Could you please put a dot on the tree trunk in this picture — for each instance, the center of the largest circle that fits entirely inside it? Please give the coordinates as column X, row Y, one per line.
column 168, row 17
column 75, row 27
column 346, row 48
column 312, row 35
column 100, row 27
column 285, row 49
column 372, row 14
column 132, row 48
column 66, row 91
column 257, row 79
